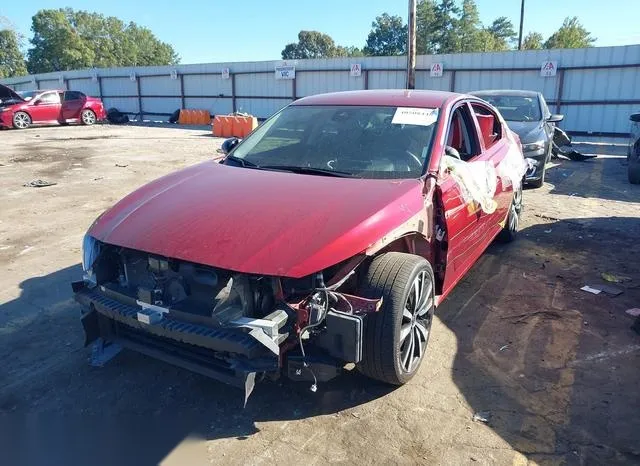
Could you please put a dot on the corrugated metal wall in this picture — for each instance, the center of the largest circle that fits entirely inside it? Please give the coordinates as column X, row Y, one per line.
column 596, row 88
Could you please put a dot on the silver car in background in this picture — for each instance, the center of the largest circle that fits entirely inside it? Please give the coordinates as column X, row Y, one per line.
column 528, row 115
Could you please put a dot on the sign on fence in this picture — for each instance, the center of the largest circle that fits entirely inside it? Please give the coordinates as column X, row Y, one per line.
column 94, row 76
column 285, row 71
column 548, row 69
column 132, row 76
column 225, row 73
column 174, row 74
column 356, row 69
column 436, row 70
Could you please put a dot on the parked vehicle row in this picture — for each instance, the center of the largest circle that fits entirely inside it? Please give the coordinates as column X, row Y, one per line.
column 44, row 107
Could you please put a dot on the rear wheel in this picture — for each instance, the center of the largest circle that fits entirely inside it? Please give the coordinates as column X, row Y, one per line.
column 88, row 117
column 396, row 337
column 633, row 170
column 21, row 120
column 510, row 229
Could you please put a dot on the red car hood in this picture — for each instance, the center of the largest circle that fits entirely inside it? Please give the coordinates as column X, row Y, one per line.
column 256, row 221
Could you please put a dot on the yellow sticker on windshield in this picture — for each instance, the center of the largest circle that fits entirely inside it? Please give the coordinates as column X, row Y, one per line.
column 415, row 116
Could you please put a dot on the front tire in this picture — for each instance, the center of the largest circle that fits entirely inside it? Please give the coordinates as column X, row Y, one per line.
column 21, row 120
column 88, row 117
column 396, row 337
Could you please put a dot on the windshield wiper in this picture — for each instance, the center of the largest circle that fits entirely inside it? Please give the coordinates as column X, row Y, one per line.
column 308, row 170
column 244, row 163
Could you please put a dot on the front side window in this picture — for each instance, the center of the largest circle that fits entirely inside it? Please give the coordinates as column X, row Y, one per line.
column 358, row 141
column 516, row 107
column 49, row 98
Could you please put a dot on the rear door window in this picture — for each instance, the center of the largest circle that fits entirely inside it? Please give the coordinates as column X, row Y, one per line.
column 73, row 95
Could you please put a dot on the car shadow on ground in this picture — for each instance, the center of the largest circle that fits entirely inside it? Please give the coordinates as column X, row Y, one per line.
column 551, row 367
column 554, row 368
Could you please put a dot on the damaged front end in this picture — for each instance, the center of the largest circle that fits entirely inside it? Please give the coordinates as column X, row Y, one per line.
column 226, row 325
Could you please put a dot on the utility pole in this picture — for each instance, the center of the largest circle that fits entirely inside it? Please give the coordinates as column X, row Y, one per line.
column 521, row 24
column 411, row 46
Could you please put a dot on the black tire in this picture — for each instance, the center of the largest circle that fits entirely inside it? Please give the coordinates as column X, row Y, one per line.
column 633, row 171
column 538, row 183
column 393, row 276
column 21, row 120
column 88, row 117
column 174, row 116
column 510, row 231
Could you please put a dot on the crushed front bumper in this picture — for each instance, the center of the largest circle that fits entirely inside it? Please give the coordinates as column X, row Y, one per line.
column 229, row 355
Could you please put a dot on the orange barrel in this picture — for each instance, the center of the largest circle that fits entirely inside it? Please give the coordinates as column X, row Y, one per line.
column 217, row 126
column 227, row 126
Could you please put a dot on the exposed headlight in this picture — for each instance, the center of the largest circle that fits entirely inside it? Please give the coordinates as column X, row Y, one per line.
column 538, row 145
column 90, row 252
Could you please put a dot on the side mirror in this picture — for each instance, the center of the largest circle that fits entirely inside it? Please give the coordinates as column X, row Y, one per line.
column 635, row 117
column 555, row 118
column 228, row 145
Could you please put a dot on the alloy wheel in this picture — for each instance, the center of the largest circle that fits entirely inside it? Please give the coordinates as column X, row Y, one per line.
column 416, row 322
column 516, row 208
column 88, row 117
column 21, row 120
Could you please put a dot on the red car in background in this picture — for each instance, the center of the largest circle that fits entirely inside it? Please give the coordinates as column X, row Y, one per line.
column 42, row 107
column 329, row 235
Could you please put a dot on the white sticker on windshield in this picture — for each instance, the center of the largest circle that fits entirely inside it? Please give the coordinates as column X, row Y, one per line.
column 415, row 116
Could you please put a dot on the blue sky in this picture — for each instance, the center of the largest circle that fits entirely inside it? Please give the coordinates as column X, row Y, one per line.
column 244, row 30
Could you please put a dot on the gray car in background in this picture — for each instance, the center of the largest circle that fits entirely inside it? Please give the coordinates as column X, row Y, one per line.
column 527, row 114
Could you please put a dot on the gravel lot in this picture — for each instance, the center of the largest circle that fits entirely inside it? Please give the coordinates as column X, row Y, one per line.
column 555, row 368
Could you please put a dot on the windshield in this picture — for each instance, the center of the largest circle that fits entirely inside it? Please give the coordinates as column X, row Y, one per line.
column 516, row 107
column 28, row 95
column 358, row 141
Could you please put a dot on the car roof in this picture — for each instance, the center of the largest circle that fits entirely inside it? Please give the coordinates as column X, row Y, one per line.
column 381, row 97
column 509, row 92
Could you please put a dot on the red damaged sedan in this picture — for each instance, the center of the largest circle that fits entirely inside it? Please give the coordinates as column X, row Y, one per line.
column 327, row 236
column 44, row 107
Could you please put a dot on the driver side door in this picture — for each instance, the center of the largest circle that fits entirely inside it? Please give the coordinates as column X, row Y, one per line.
column 466, row 221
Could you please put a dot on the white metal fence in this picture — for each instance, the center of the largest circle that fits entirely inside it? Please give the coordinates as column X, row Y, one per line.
column 596, row 88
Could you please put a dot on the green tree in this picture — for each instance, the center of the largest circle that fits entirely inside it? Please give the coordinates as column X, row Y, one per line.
column 66, row 39
column 11, row 58
column 311, row 44
column 426, row 40
column 445, row 23
column 388, row 36
column 350, row 51
column 532, row 41
column 469, row 27
column 571, row 35
column 504, row 33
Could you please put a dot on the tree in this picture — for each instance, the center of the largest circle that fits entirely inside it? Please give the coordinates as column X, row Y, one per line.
column 388, row 36
column 11, row 59
column 349, row 51
column 532, row 41
column 65, row 39
column 311, row 44
column 469, row 27
column 426, row 41
column 502, row 30
column 445, row 24
column 571, row 35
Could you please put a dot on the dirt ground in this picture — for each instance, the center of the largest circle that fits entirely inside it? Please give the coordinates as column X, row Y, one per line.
column 555, row 369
